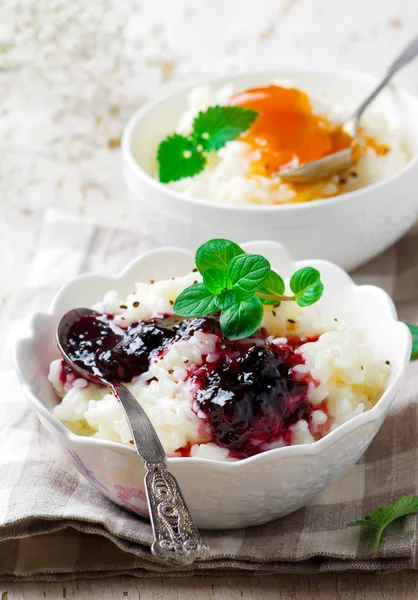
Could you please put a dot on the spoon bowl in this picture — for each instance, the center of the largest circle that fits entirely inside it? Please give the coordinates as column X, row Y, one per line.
column 344, row 159
column 63, row 331
column 323, row 168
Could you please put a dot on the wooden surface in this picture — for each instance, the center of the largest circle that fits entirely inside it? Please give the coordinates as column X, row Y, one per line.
column 399, row 586
column 65, row 94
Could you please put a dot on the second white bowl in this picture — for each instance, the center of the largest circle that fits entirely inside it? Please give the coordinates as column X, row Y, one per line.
column 347, row 230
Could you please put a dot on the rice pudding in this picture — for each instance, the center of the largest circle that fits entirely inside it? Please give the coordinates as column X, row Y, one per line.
column 301, row 375
column 292, row 128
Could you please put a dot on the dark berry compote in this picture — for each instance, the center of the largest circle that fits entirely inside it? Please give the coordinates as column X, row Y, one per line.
column 98, row 345
column 248, row 392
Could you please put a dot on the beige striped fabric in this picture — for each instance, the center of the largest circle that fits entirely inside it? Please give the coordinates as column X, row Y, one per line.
column 54, row 526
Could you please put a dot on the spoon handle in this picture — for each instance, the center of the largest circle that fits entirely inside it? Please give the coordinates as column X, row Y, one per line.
column 409, row 53
column 176, row 538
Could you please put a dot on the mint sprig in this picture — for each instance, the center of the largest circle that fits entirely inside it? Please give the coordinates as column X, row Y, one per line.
column 238, row 284
column 181, row 156
column 380, row 518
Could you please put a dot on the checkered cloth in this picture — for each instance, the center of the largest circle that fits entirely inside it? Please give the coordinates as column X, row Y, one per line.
column 54, row 525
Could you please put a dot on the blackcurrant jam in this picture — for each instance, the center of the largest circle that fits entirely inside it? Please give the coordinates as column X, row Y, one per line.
column 247, row 392
column 250, row 396
column 96, row 344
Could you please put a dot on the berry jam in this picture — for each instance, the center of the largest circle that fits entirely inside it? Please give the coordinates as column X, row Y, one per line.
column 247, row 392
column 99, row 346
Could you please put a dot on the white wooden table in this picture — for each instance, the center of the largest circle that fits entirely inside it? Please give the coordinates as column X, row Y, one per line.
column 400, row 586
column 71, row 74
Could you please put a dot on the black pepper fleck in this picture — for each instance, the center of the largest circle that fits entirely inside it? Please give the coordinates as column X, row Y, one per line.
column 123, row 306
column 171, row 302
column 274, row 313
column 353, row 174
column 135, row 304
column 194, row 270
column 291, row 321
column 387, row 362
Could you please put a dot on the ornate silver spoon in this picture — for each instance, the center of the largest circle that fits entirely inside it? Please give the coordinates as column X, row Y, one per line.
column 176, row 538
column 343, row 159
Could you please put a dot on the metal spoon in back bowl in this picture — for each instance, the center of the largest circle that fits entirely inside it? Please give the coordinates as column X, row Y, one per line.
column 343, row 159
column 176, row 538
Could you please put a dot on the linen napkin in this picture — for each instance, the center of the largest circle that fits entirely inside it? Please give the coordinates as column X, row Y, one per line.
column 55, row 526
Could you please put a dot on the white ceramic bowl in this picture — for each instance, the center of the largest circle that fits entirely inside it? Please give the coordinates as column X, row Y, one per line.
column 347, row 230
column 221, row 494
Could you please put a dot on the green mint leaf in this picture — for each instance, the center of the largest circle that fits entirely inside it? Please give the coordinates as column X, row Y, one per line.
column 414, row 332
column 195, row 301
column 248, row 272
column 382, row 517
column 307, row 286
column 229, row 297
column 216, row 254
column 406, row 505
column 217, row 125
column 273, row 286
column 178, row 157
column 242, row 318
column 215, row 280
column 364, row 522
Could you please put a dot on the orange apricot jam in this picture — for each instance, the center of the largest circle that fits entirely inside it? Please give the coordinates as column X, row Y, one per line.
column 287, row 134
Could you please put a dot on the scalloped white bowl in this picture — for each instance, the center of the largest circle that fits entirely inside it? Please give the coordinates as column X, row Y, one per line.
column 348, row 229
column 221, row 495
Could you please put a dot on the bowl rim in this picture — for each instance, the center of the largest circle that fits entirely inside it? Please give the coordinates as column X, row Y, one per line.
column 141, row 114
column 310, row 449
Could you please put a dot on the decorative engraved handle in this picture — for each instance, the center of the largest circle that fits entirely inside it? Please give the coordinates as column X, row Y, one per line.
column 176, row 537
